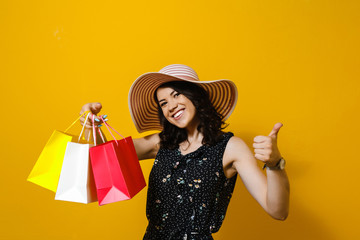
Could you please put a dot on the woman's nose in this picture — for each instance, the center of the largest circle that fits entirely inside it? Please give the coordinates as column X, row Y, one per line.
column 172, row 105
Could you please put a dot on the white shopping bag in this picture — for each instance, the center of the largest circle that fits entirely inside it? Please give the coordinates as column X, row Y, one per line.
column 76, row 182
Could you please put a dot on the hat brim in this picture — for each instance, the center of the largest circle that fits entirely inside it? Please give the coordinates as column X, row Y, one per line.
column 143, row 107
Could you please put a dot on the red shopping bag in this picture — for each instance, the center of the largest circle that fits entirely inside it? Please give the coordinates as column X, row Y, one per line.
column 116, row 170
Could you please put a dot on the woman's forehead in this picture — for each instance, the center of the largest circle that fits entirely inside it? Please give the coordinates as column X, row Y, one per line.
column 164, row 91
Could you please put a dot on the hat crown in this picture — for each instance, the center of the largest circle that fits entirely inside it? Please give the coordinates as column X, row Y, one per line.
column 180, row 71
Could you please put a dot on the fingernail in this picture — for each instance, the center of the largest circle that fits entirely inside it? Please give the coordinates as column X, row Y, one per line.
column 106, row 120
column 99, row 125
column 97, row 120
column 104, row 116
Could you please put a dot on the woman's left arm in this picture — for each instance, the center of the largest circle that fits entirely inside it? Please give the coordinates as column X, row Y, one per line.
column 271, row 191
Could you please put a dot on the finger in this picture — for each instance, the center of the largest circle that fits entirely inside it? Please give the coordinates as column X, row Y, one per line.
column 83, row 117
column 82, row 120
column 89, row 125
column 85, row 108
column 261, row 157
column 274, row 132
column 263, row 145
column 95, row 107
column 260, row 139
column 264, row 152
column 96, row 119
column 89, row 121
column 103, row 118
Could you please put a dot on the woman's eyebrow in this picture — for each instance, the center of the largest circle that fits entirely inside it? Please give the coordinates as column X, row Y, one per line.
column 172, row 93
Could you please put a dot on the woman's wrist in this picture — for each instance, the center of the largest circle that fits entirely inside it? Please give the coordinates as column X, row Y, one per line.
column 273, row 163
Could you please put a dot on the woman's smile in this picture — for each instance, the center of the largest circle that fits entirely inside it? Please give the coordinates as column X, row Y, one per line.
column 178, row 114
column 176, row 107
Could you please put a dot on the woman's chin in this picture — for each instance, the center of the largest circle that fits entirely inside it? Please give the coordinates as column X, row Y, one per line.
column 179, row 124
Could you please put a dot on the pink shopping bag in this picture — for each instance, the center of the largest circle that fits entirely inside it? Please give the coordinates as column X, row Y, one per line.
column 117, row 172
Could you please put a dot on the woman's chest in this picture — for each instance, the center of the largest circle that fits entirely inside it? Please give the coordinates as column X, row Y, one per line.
column 192, row 171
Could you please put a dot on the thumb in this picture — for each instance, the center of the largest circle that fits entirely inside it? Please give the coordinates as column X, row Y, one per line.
column 274, row 132
column 95, row 107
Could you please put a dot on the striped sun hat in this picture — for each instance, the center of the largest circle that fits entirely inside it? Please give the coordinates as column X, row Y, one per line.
column 143, row 107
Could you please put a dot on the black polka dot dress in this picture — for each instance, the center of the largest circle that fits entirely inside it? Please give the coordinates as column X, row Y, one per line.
column 188, row 194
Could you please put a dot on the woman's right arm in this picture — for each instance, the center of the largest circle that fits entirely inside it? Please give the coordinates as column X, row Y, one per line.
column 146, row 147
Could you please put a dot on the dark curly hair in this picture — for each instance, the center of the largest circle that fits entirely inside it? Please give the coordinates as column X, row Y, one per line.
column 211, row 122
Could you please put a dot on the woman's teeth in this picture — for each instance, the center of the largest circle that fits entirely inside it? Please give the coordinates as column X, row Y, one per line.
column 178, row 113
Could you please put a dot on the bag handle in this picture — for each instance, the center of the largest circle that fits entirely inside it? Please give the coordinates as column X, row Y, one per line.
column 108, row 127
column 76, row 120
column 94, row 131
column 82, row 130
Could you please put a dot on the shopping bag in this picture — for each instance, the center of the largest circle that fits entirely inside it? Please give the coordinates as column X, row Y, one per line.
column 76, row 182
column 46, row 170
column 116, row 169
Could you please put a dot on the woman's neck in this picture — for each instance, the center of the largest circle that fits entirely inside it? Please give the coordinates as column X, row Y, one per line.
column 192, row 131
column 194, row 138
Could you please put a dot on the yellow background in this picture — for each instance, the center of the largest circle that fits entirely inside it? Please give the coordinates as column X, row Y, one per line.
column 295, row 62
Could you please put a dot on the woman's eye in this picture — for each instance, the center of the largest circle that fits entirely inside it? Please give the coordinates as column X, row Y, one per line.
column 163, row 104
column 176, row 94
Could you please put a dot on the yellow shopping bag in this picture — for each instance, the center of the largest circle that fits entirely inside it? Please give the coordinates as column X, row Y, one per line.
column 46, row 171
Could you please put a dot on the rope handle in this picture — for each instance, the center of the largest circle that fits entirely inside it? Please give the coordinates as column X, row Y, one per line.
column 76, row 120
column 82, row 130
column 108, row 127
column 94, row 131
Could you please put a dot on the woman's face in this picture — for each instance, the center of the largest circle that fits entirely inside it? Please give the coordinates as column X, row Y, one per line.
column 177, row 108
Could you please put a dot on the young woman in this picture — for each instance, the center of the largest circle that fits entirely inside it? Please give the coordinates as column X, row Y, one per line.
column 196, row 163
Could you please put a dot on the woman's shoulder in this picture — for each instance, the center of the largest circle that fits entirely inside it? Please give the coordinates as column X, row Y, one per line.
column 233, row 140
column 221, row 139
column 235, row 145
